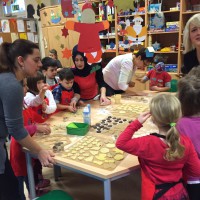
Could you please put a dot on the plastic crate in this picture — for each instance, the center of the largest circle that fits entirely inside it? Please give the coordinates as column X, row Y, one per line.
column 76, row 128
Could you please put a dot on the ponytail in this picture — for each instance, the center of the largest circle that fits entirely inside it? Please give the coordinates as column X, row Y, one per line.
column 5, row 58
column 175, row 150
column 9, row 52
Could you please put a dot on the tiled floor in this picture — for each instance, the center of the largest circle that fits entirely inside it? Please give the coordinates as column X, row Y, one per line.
column 81, row 187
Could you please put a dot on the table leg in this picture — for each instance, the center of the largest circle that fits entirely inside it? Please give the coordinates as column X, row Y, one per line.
column 107, row 189
column 57, row 172
column 30, row 176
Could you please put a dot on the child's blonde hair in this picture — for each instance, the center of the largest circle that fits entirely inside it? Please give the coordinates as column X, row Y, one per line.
column 195, row 19
column 166, row 110
column 195, row 71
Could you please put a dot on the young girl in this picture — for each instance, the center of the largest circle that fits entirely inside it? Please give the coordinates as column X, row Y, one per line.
column 189, row 124
column 162, row 155
column 17, row 156
column 39, row 97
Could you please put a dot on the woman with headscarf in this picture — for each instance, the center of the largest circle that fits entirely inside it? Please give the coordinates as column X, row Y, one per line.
column 89, row 78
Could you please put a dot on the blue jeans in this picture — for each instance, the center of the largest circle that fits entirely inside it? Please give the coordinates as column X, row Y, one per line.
column 21, row 180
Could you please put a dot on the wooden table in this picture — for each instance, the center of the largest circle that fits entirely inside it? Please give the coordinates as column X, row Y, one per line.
column 124, row 168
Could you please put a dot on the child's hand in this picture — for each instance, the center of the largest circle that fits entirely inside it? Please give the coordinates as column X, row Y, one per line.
column 73, row 104
column 131, row 84
column 44, row 88
column 143, row 117
column 44, row 105
column 71, row 109
column 44, row 128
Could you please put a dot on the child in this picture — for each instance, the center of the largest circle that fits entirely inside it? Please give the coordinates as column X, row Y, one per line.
column 39, row 97
column 66, row 94
column 162, row 155
column 54, row 55
column 17, row 156
column 189, row 124
column 160, row 80
column 49, row 69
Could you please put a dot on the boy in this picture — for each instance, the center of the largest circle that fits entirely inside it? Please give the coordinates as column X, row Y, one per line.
column 66, row 94
column 49, row 69
column 160, row 80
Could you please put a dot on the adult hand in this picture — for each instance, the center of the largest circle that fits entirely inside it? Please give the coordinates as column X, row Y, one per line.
column 46, row 158
column 104, row 101
column 143, row 117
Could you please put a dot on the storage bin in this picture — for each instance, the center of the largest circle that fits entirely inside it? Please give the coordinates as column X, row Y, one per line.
column 76, row 128
column 173, row 85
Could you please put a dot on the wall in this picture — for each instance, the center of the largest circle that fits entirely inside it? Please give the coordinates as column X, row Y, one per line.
column 24, row 14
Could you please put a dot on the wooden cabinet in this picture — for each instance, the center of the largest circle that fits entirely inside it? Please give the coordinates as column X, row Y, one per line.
column 52, row 22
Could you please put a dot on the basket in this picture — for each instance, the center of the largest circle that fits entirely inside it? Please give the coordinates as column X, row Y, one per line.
column 76, row 128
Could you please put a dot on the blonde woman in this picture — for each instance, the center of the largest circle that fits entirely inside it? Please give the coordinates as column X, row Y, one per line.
column 191, row 42
column 162, row 155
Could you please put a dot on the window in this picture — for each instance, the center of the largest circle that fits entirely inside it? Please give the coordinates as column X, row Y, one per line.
column 16, row 7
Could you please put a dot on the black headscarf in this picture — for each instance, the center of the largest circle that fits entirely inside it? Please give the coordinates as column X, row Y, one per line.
column 80, row 72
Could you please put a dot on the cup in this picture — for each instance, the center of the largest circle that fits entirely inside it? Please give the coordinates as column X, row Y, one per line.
column 117, row 98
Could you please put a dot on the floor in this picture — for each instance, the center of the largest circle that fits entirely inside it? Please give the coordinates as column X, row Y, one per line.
column 81, row 187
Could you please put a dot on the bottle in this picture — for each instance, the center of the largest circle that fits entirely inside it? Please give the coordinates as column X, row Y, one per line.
column 86, row 115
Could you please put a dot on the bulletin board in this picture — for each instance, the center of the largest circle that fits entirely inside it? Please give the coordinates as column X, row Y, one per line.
column 18, row 28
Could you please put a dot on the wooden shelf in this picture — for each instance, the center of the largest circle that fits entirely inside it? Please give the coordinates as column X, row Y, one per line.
column 126, row 16
column 167, row 11
column 156, row 33
column 190, row 12
column 107, row 37
column 109, row 51
column 166, row 52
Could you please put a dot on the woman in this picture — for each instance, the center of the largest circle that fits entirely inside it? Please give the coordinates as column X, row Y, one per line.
column 191, row 42
column 17, row 60
column 119, row 71
column 89, row 78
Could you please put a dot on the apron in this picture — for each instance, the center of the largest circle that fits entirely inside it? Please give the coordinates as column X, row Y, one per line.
column 66, row 97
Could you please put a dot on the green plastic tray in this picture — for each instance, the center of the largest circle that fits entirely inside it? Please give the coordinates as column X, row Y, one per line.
column 76, row 128
column 56, row 194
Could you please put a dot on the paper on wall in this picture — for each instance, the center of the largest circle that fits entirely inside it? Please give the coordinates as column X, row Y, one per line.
column 14, row 36
column 32, row 26
column 36, row 39
column 5, row 26
column 23, row 36
column 1, row 40
column 30, row 36
column 20, row 26
column 28, row 25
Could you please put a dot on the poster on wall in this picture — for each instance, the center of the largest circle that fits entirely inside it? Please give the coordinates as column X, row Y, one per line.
column 5, row 26
column 1, row 40
column 23, row 36
column 20, row 26
column 32, row 26
column 14, row 36
column 31, row 37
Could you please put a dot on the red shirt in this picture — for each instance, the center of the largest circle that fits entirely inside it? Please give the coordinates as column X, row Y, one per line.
column 150, row 150
column 158, row 79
